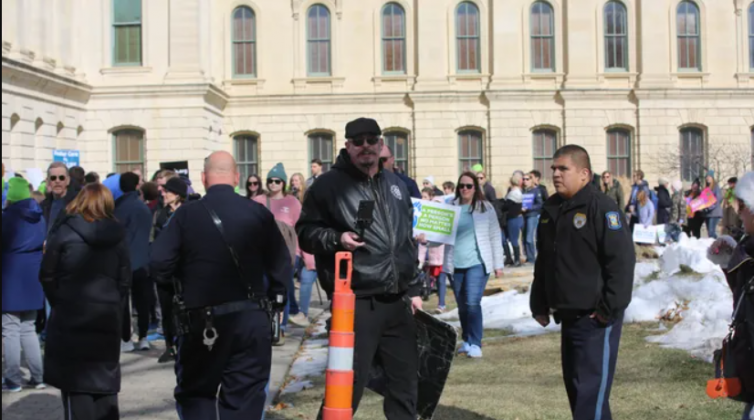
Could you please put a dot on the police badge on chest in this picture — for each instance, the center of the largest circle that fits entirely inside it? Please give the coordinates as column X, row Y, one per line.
column 579, row 220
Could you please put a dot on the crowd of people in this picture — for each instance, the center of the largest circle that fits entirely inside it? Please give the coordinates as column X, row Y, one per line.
column 85, row 256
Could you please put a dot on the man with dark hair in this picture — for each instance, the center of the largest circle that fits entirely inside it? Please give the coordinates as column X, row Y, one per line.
column 385, row 272
column 387, row 159
column 91, row 178
column 316, row 172
column 584, row 279
column 136, row 218
column 78, row 176
column 537, row 179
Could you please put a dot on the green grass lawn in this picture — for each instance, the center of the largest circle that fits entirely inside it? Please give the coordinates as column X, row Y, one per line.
column 520, row 378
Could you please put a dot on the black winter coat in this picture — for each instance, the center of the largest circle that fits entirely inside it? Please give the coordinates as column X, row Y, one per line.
column 388, row 263
column 85, row 273
column 46, row 205
column 664, row 205
column 740, row 276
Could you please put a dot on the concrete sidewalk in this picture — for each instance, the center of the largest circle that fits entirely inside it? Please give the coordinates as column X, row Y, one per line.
column 147, row 387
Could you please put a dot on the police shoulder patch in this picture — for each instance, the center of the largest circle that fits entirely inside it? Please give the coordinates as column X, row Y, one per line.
column 613, row 220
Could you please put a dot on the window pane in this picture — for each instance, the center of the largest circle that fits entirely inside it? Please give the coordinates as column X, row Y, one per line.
column 692, row 48
column 126, row 11
column 620, row 53
column 128, row 150
column 547, row 53
column 610, row 19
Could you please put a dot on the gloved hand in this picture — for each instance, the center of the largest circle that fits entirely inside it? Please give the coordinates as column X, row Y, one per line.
column 721, row 251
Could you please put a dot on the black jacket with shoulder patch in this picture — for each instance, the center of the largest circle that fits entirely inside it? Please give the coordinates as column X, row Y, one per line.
column 586, row 256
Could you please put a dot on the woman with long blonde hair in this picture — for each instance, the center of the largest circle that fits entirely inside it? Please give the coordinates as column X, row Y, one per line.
column 298, row 186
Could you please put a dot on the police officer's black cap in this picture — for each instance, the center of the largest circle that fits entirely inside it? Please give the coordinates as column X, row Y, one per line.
column 362, row 126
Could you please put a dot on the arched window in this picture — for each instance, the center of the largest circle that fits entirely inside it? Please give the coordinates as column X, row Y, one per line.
column 246, row 152
column 619, row 152
column 689, row 39
column 471, row 145
column 244, row 42
column 542, row 37
column 751, row 36
column 128, row 147
column 393, row 39
column 545, row 144
column 616, row 36
column 126, row 32
column 321, row 147
column 468, row 49
column 693, row 156
column 398, row 143
column 318, row 40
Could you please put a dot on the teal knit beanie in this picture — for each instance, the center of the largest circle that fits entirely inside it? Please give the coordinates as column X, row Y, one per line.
column 278, row 172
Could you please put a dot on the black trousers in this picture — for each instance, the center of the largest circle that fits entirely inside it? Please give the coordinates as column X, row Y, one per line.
column 239, row 365
column 386, row 331
column 90, row 406
column 590, row 353
column 143, row 298
column 166, row 303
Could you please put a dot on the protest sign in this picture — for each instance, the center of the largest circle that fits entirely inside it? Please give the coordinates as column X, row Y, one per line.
column 181, row 167
column 645, row 235
column 528, row 201
column 705, row 200
column 71, row 158
column 437, row 221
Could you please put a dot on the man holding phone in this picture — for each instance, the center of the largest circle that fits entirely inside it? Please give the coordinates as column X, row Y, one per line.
column 362, row 208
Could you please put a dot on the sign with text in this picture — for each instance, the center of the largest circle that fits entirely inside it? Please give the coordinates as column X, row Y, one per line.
column 437, row 221
column 181, row 167
column 71, row 158
column 650, row 235
column 528, row 201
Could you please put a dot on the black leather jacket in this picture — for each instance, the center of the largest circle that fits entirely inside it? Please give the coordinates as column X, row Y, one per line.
column 388, row 263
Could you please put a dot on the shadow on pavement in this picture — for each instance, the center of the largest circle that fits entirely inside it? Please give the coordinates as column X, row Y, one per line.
column 36, row 406
column 454, row 413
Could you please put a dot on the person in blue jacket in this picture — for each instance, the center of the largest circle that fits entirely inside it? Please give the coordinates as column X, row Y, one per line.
column 24, row 233
column 533, row 202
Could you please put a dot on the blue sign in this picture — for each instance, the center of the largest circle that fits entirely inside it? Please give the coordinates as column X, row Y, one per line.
column 528, row 201
column 71, row 158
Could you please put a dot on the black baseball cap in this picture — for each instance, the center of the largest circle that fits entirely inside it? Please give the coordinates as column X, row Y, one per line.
column 361, row 127
column 177, row 186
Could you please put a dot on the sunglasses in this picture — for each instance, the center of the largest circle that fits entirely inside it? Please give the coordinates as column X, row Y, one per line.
column 54, row 178
column 465, row 186
column 527, row 179
column 359, row 141
column 275, row 181
column 254, row 183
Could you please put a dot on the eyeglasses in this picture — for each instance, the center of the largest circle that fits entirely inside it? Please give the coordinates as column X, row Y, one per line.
column 254, row 184
column 275, row 181
column 60, row 178
column 359, row 141
column 527, row 179
column 465, row 186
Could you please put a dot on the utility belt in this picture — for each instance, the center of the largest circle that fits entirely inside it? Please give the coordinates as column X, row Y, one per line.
column 190, row 321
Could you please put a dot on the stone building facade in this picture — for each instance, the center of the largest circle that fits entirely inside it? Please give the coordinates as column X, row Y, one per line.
column 662, row 85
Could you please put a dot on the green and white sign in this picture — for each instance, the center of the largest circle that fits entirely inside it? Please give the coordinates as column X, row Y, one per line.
column 438, row 222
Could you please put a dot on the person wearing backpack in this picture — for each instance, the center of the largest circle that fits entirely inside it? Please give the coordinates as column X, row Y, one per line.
column 287, row 209
column 737, row 260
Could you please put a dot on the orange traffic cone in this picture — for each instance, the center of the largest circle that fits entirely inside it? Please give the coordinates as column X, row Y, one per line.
column 339, row 380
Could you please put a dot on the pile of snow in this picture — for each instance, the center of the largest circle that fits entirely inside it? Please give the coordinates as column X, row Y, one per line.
column 683, row 285
column 506, row 311
column 311, row 361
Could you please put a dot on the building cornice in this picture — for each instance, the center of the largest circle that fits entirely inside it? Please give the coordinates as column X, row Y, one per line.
column 314, row 99
column 212, row 95
column 25, row 79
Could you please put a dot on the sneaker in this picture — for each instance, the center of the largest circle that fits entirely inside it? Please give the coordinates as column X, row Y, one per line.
column 167, row 357
column 465, row 347
column 126, row 346
column 440, row 310
column 39, row 386
column 475, row 352
column 144, row 345
column 300, row 319
column 9, row 388
column 280, row 343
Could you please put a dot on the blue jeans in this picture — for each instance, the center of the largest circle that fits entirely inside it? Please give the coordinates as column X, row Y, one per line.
column 291, row 308
column 748, row 412
column 468, row 286
column 530, row 231
column 712, row 223
column 513, row 231
column 442, row 288
column 308, row 278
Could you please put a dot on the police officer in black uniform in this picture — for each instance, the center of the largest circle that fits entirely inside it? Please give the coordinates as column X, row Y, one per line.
column 221, row 248
column 584, row 278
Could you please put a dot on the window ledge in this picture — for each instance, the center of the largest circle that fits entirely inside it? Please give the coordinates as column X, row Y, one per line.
column 556, row 78
column 244, row 82
column 745, row 76
column 334, row 82
column 618, row 75
column 699, row 75
column 125, row 70
column 481, row 77
column 394, row 79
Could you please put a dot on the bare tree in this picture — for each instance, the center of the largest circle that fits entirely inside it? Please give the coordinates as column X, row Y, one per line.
column 726, row 159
